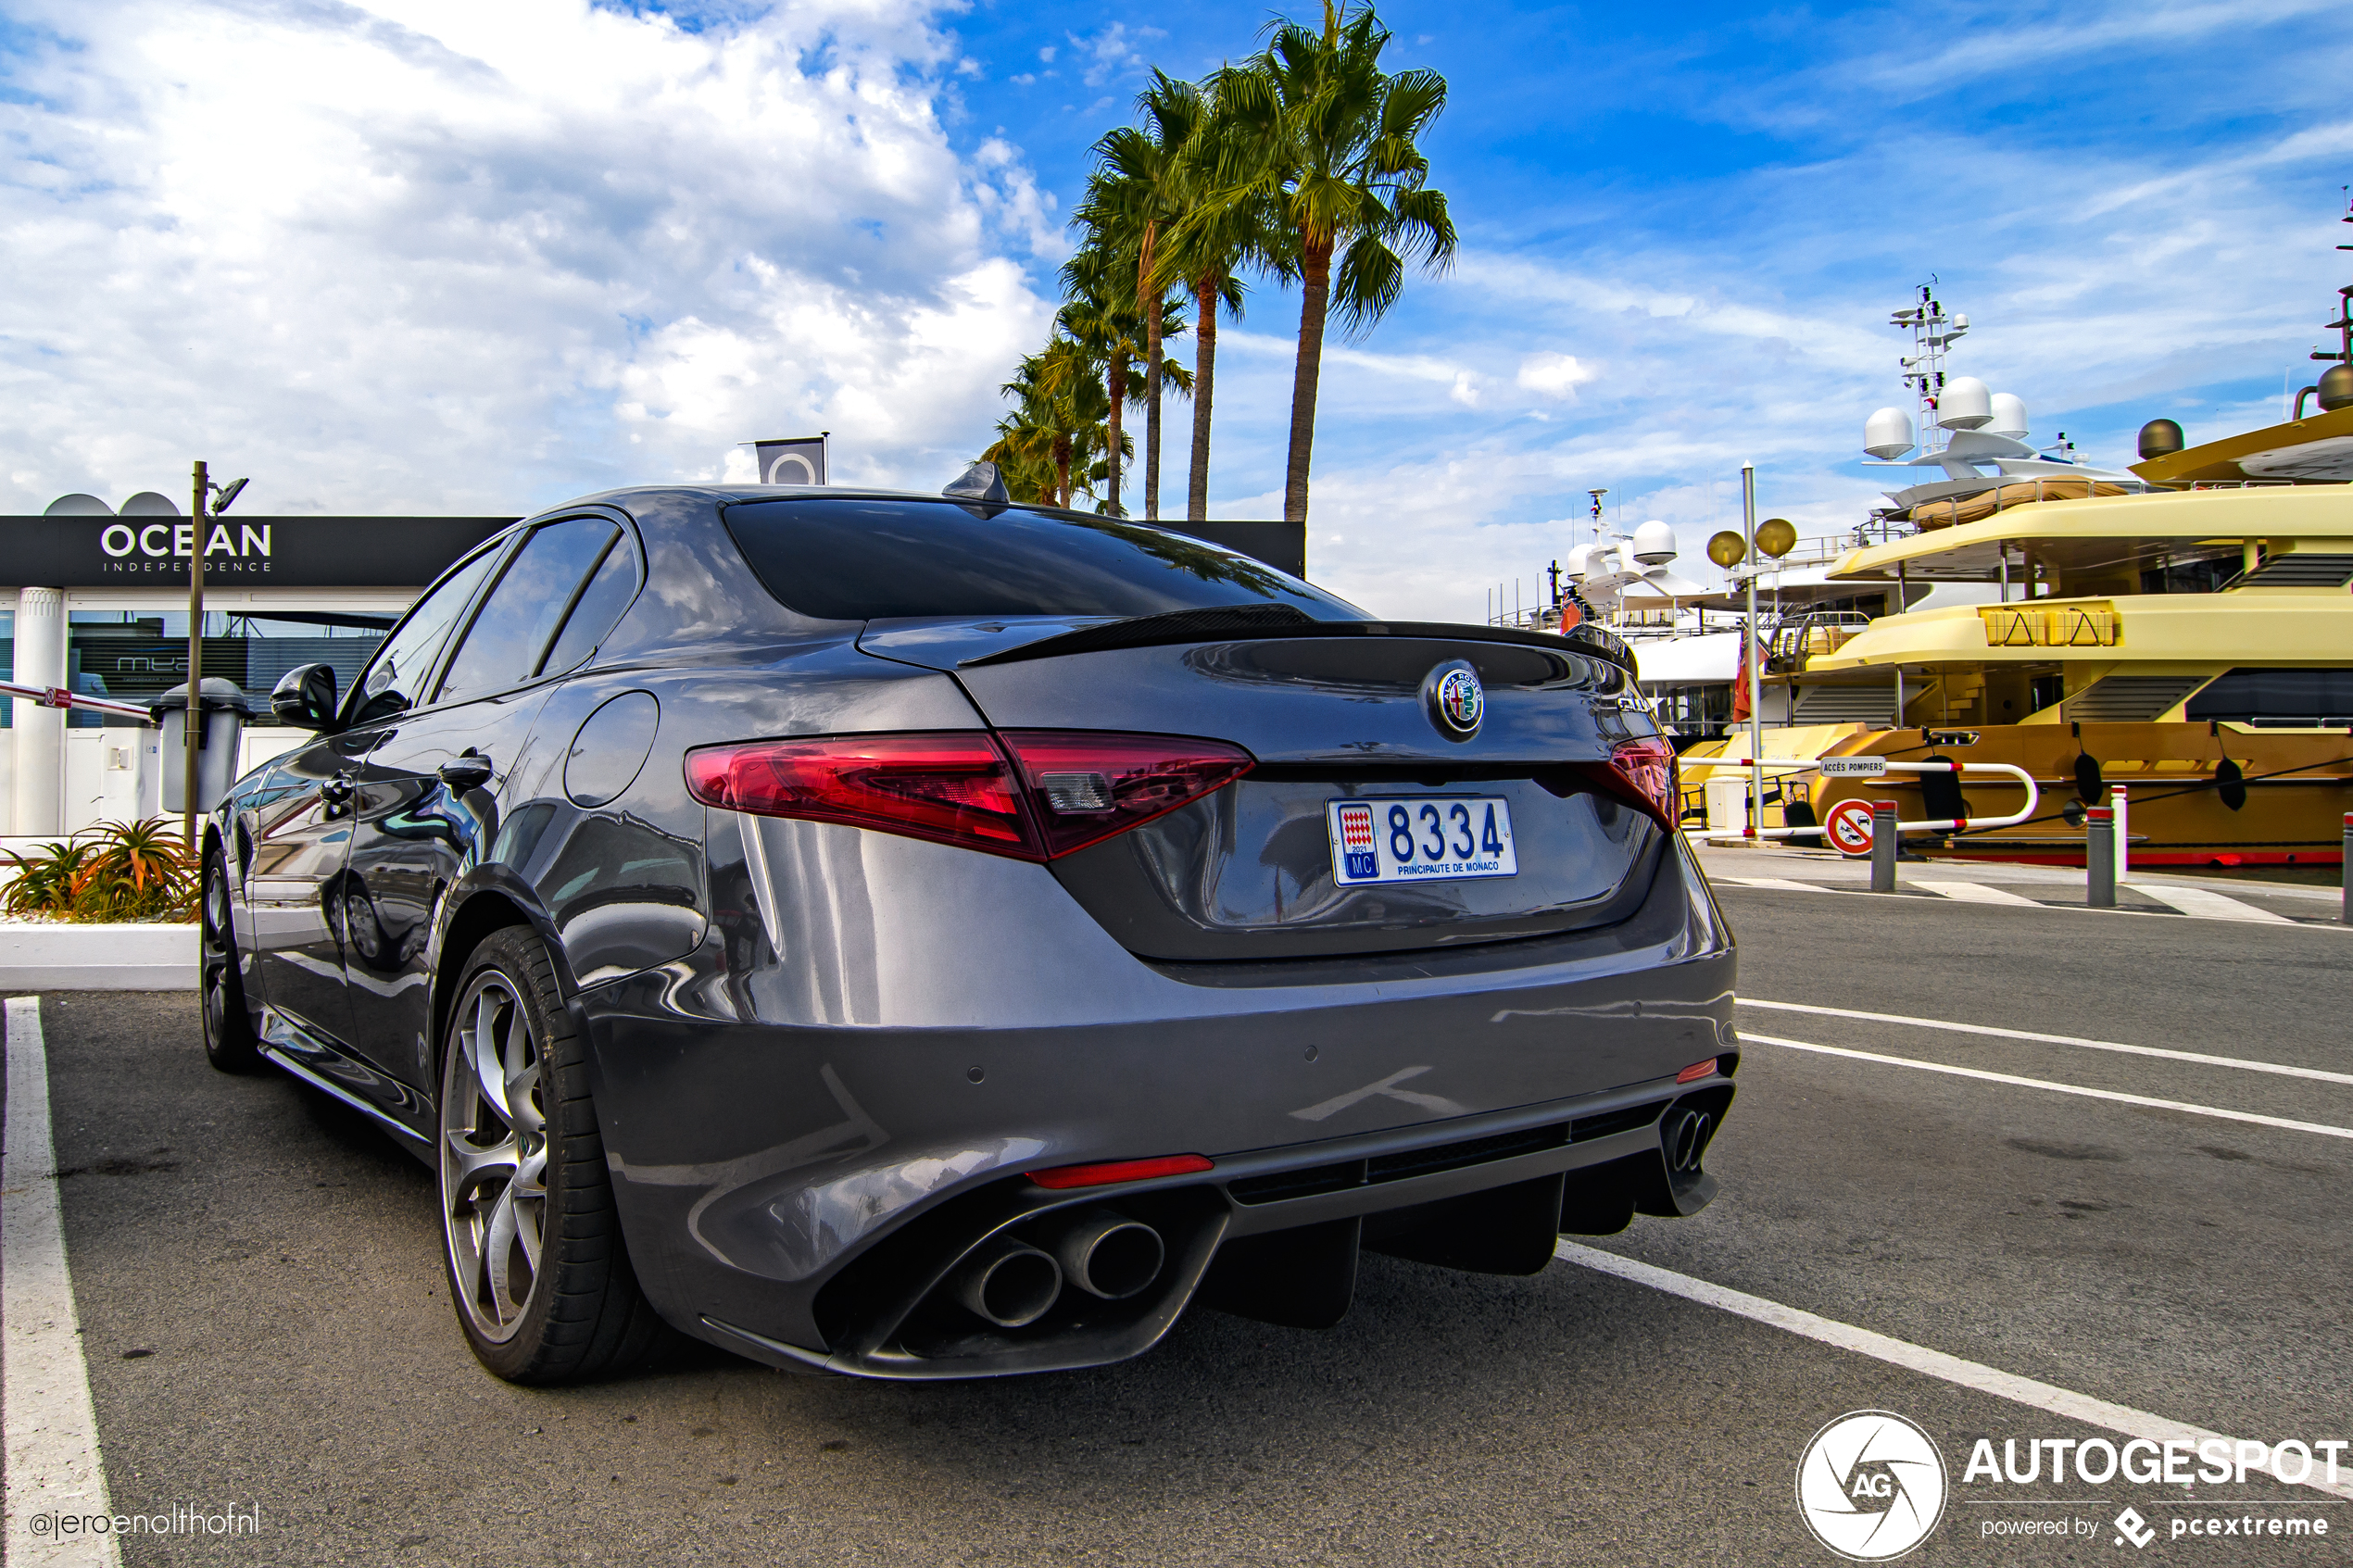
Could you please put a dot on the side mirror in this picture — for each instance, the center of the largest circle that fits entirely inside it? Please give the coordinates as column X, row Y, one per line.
column 305, row 697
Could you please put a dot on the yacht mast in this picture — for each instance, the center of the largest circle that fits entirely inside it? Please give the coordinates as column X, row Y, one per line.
column 1932, row 332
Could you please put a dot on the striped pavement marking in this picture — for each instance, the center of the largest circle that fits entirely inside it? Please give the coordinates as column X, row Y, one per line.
column 2047, row 1397
column 2207, row 904
column 2318, row 1075
column 50, row 1428
column 2146, row 1101
column 1973, row 893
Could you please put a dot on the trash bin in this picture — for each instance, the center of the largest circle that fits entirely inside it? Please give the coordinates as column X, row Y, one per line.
column 226, row 708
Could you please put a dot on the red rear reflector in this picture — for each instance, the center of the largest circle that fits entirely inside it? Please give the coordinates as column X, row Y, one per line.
column 1031, row 794
column 1104, row 1176
column 1088, row 787
column 1644, row 771
column 1696, row 1071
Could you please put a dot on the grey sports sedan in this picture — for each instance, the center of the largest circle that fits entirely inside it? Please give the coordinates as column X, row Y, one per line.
column 923, row 937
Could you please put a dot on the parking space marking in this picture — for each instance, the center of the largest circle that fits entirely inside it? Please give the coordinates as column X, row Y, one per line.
column 2202, row 1060
column 2120, row 1419
column 1780, row 883
column 2207, row 904
column 1973, row 893
column 51, row 1430
column 2215, row 1110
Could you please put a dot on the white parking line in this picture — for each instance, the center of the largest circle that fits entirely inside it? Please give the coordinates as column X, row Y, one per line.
column 1782, row 883
column 50, row 1428
column 2321, row 1127
column 2207, row 904
column 1973, row 893
column 2315, row 1074
column 2049, row 1396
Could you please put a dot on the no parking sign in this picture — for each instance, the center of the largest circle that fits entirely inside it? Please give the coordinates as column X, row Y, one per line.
column 1848, row 828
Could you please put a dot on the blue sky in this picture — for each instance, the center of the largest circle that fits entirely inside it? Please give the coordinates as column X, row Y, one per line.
column 472, row 261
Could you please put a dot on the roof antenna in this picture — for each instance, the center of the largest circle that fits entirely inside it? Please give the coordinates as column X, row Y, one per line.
column 982, row 482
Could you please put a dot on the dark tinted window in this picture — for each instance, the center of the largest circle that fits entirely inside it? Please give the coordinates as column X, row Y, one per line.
column 2289, row 697
column 394, row 679
column 510, row 630
column 851, row 559
column 601, row 605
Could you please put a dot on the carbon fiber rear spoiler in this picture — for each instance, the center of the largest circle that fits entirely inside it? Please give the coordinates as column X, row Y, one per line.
column 1283, row 620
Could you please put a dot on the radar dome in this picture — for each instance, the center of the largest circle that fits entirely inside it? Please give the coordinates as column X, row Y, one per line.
column 1579, row 563
column 148, row 504
column 1654, row 543
column 1965, row 404
column 1888, row 434
column 2010, row 417
column 78, row 505
column 2336, row 387
column 2161, row 438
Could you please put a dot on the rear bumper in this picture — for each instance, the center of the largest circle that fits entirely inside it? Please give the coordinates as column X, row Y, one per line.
column 787, row 1183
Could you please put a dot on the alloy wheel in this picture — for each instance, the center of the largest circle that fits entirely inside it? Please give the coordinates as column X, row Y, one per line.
column 494, row 1157
column 217, row 959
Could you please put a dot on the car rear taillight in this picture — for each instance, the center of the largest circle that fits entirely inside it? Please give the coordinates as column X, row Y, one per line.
column 1644, row 771
column 1032, row 794
column 1089, row 787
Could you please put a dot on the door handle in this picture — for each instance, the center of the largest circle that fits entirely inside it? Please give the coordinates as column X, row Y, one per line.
column 469, row 771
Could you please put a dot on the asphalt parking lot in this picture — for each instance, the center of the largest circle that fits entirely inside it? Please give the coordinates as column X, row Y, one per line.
column 264, row 1325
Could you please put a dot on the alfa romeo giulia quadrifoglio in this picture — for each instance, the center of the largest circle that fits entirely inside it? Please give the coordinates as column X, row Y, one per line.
column 924, row 937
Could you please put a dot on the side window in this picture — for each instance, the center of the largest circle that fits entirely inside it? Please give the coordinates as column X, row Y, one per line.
column 394, row 681
column 510, row 630
column 600, row 607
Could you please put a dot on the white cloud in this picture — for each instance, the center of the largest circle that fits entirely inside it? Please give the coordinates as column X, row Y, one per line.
column 1553, row 375
column 443, row 256
column 1115, row 51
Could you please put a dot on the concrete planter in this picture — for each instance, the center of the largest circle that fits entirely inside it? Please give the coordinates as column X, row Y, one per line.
column 97, row 957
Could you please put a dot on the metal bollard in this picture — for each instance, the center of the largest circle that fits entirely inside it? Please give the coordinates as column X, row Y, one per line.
column 1883, row 846
column 2348, row 868
column 2099, row 858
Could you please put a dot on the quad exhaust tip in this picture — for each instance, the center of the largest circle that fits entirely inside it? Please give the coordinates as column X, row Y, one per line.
column 1105, row 1253
column 1685, row 1138
column 1008, row 1282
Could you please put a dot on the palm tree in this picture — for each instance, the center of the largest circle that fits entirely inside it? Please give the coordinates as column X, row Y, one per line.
column 1328, row 141
column 1060, row 438
column 1059, row 408
column 1101, row 315
column 1203, row 251
column 1137, row 192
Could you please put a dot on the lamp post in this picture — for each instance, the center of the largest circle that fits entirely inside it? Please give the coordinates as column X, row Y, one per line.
column 1756, row 544
column 1756, row 671
column 201, row 509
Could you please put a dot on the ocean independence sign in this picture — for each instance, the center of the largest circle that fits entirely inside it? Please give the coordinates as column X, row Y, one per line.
column 260, row 552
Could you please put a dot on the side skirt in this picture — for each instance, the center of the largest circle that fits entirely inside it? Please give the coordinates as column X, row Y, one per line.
column 386, row 1101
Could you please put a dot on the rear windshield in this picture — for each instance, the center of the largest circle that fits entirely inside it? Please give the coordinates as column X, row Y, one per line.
column 870, row 560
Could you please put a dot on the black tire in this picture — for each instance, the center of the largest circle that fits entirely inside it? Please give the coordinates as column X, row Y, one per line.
column 580, row 1314
column 231, row 1043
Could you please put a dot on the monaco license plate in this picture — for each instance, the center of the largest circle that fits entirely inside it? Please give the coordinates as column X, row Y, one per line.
column 1421, row 838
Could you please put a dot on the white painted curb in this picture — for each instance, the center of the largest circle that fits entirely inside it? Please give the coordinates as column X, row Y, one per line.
column 97, row 957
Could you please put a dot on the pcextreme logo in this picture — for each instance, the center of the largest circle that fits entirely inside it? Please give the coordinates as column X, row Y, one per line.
column 1871, row 1486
